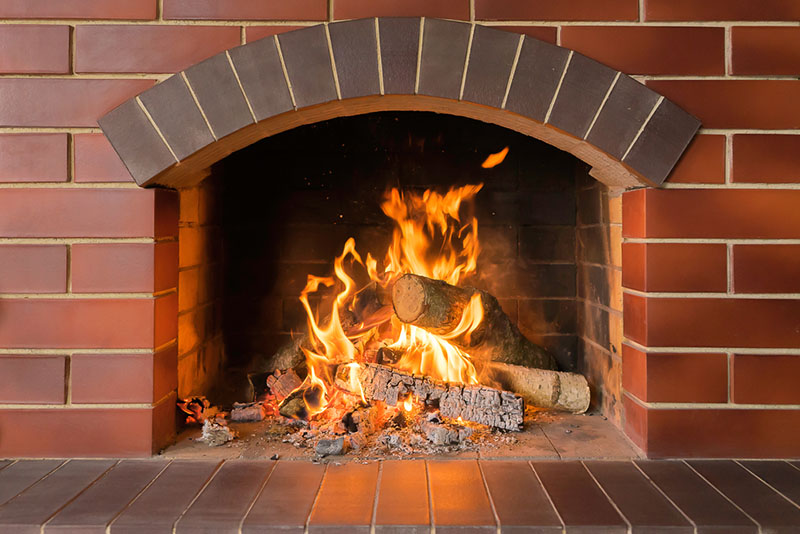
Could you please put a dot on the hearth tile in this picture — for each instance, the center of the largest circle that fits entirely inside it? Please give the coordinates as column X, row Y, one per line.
column 219, row 95
column 490, row 60
column 531, row 444
column 99, row 504
column 403, row 503
column 778, row 474
column 4, row 464
column 697, row 499
column 444, row 51
column 539, row 70
column 458, row 497
column 286, row 500
column 399, row 39
column 261, row 75
column 30, row 510
column 582, row 91
column 581, row 505
column 769, row 509
column 16, row 478
column 32, row 378
column 643, row 505
column 308, row 62
column 765, row 379
column 136, row 141
column 222, row 505
column 518, row 498
column 355, row 53
column 661, row 143
column 161, row 504
column 346, row 499
column 623, row 114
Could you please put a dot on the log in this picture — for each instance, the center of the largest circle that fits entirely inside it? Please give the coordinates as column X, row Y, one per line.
column 539, row 387
column 475, row 403
column 438, row 306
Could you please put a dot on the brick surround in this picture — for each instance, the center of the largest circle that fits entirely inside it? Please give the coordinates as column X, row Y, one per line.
column 709, row 260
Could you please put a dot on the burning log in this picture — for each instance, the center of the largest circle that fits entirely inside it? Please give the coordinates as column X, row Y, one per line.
column 438, row 307
column 542, row 388
column 247, row 411
column 479, row 404
column 282, row 384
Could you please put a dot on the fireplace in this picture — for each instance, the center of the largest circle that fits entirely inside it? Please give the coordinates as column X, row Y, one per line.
column 706, row 342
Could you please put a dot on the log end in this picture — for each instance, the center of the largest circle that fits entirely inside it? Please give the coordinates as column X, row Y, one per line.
column 408, row 298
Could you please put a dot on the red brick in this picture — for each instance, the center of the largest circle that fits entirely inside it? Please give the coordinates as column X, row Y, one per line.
column 254, row 33
column 33, row 157
column 123, row 378
column 766, row 268
column 32, row 379
column 246, row 9
column 762, row 104
column 702, row 163
column 543, row 33
column 33, row 268
column 124, row 267
column 70, row 102
column 766, row 158
column 711, row 322
column 766, row 378
column 721, row 10
column 77, row 432
column 712, row 213
column 83, row 213
column 96, row 160
column 675, row 266
column 557, row 10
column 651, row 49
column 78, row 9
column 446, row 9
column 33, row 48
column 128, row 48
column 759, row 50
column 81, row 323
column 714, row 433
column 669, row 377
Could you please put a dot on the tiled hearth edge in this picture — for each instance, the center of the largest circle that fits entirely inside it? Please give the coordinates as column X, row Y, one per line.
column 745, row 157
column 399, row 496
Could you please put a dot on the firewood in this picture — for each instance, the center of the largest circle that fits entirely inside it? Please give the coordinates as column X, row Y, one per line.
column 543, row 388
column 438, row 307
column 247, row 411
column 282, row 384
column 479, row 404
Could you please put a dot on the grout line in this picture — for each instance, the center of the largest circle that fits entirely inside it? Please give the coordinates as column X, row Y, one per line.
column 728, row 158
column 136, row 498
column 756, row 186
column 243, row 35
column 257, row 495
column 792, row 465
column 12, row 462
column 558, row 35
column 316, row 498
column 241, row 87
column 69, row 269
column 68, row 380
column 729, row 268
column 419, row 54
column 547, row 494
column 70, row 158
column 72, row 48
column 711, row 350
column 513, row 71
column 558, row 87
column 710, row 405
column 71, row 241
column 430, row 497
column 380, row 60
column 197, row 103
column 70, row 185
column 67, row 352
column 285, row 72
column 333, row 61
column 667, row 497
column 376, row 497
column 472, row 10
column 46, row 475
column 155, row 126
column 602, row 104
column 641, row 12
column 643, row 126
column 330, row 11
column 770, row 486
column 721, row 493
column 80, row 406
column 466, row 62
column 709, row 294
column 610, row 500
column 160, row 10
column 728, row 43
column 718, row 241
column 81, row 296
column 728, row 369
column 200, row 492
column 489, row 495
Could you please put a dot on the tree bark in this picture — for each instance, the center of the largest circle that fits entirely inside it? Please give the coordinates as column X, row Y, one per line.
column 438, row 306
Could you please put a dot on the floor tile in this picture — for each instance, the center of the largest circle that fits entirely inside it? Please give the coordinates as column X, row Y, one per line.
column 588, row 436
column 458, row 497
column 346, row 499
column 403, row 504
column 778, row 474
column 16, row 478
column 518, row 497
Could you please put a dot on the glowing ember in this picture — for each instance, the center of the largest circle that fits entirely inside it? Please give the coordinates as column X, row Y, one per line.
column 495, row 159
column 408, row 404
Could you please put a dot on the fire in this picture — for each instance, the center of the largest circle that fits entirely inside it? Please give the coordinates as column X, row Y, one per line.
column 495, row 159
column 429, row 239
column 408, row 404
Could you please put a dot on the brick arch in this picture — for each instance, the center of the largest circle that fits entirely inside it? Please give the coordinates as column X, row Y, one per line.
column 169, row 134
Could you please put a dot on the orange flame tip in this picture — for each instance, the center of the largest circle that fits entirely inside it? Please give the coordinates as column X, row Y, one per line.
column 495, row 159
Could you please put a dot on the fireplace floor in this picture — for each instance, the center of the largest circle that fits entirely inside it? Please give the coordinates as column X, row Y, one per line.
column 244, row 496
column 547, row 436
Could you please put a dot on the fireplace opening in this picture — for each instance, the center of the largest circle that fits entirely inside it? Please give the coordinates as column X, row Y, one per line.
column 284, row 208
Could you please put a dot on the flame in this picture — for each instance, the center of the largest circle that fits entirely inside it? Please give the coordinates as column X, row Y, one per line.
column 408, row 404
column 495, row 159
column 355, row 383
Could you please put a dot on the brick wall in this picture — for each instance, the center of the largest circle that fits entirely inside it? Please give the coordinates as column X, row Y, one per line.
column 705, row 374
